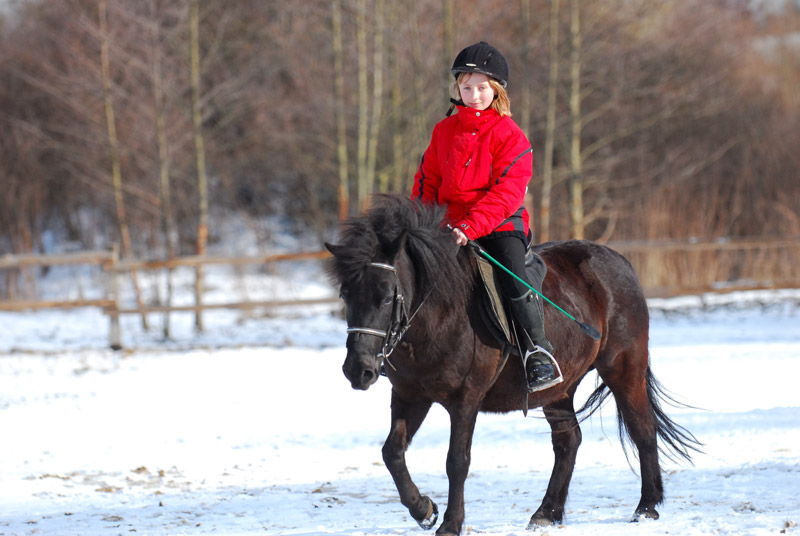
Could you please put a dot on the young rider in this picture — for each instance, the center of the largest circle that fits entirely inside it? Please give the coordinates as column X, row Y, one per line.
column 478, row 165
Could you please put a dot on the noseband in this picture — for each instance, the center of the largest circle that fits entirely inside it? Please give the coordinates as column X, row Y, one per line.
column 400, row 320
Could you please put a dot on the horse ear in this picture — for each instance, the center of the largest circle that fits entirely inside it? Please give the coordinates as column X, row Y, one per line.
column 398, row 245
column 333, row 248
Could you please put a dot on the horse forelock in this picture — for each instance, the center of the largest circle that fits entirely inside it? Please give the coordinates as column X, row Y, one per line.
column 356, row 248
column 440, row 272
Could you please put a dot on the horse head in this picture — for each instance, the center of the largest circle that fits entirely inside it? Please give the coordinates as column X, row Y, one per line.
column 375, row 306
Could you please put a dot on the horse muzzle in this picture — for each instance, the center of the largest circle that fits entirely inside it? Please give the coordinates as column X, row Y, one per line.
column 362, row 370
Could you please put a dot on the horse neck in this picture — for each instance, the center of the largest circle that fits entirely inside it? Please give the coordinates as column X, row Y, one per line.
column 439, row 317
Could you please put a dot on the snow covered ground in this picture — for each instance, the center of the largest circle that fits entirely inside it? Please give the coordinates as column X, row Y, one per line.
column 253, row 429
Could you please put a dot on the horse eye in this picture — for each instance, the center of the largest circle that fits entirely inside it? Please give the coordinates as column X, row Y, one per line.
column 388, row 301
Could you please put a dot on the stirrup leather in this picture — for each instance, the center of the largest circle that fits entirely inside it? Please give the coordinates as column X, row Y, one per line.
column 540, row 386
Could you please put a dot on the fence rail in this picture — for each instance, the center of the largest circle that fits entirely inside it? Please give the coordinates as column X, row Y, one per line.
column 81, row 257
column 202, row 260
column 661, row 246
column 111, row 265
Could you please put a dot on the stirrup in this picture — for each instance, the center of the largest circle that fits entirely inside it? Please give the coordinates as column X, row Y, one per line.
column 546, row 384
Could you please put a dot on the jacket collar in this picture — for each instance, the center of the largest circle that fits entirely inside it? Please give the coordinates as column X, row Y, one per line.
column 472, row 118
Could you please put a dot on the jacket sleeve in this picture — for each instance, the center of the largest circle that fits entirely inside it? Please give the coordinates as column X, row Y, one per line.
column 428, row 177
column 512, row 169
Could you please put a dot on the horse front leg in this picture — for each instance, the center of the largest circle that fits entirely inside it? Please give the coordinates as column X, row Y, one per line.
column 462, row 427
column 406, row 420
column 566, row 438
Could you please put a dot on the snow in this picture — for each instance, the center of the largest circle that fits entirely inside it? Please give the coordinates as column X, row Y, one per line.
column 251, row 428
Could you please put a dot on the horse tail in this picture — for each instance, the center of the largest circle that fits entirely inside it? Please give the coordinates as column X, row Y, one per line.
column 676, row 441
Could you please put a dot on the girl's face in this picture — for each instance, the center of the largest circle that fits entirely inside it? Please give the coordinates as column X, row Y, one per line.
column 476, row 92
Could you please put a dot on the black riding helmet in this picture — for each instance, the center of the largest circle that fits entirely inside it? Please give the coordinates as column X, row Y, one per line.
column 482, row 58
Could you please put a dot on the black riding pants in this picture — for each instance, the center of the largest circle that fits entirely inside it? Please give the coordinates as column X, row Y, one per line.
column 510, row 252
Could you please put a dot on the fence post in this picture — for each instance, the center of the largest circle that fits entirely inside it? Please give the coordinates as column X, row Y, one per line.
column 114, row 334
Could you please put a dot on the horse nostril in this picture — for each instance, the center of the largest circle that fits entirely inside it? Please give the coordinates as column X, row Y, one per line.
column 367, row 376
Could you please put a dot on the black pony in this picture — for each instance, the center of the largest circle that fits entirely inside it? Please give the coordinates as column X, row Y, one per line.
column 412, row 309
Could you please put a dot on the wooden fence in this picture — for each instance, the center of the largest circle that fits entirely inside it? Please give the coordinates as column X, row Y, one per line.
column 113, row 267
column 720, row 266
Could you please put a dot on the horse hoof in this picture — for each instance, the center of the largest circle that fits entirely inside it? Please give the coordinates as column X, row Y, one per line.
column 644, row 513
column 431, row 517
column 540, row 523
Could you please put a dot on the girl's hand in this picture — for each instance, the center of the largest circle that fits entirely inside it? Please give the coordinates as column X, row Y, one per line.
column 460, row 238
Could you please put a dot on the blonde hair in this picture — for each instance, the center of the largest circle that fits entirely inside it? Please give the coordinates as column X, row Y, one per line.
column 501, row 104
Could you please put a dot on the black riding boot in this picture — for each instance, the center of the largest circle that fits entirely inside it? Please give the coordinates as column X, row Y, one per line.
column 540, row 366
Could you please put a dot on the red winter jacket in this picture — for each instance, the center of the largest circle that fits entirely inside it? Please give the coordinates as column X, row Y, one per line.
column 478, row 164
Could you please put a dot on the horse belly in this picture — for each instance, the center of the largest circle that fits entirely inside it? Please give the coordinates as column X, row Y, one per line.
column 509, row 392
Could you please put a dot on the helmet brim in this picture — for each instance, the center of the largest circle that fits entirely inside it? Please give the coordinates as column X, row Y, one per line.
column 471, row 70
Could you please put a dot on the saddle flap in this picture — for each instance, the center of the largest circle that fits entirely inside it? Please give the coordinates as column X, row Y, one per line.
column 493, row 309
column 493, row 302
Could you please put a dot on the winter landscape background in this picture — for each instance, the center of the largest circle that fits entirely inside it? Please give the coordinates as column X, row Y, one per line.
column 180, row 128
column 251, row 428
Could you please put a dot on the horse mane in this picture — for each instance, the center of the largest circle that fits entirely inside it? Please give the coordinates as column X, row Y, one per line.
column 441, row 267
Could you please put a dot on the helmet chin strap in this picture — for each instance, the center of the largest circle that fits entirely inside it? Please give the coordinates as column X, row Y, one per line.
column 453, row 104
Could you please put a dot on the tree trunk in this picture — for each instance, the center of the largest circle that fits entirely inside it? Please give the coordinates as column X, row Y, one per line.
column 550, row 128
column 363, row 104
column 525, row 102
column 525, row 87
column 419, row 134
column 398, row 181
column 113, row 141
column 202, row 182
column 377, row 99
column 166, row 219
column 449, row 38
column 576, row 163
column 339, row 109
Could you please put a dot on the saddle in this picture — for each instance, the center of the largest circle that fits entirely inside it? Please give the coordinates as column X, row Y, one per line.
column 492, row 305
column 494, row 312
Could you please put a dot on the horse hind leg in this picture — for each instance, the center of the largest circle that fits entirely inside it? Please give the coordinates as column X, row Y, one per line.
column 629, row 381
column 566, row 437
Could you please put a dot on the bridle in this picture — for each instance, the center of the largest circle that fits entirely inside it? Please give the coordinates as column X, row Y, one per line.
column 400, row 320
